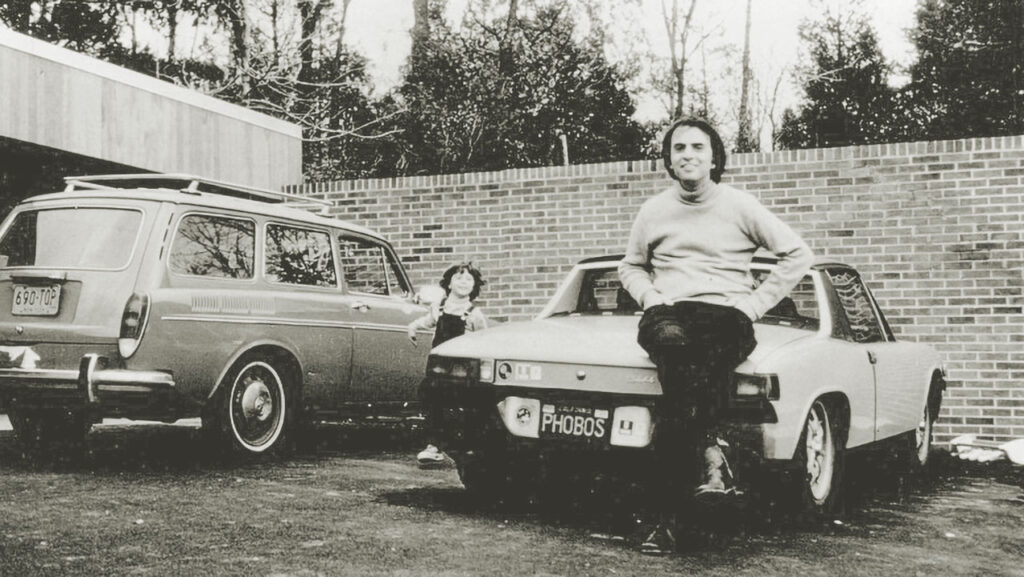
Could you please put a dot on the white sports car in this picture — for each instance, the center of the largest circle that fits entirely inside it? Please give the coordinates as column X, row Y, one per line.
column 827, row 375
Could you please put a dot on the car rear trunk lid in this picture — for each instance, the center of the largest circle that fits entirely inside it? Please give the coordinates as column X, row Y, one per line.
column 66, row 272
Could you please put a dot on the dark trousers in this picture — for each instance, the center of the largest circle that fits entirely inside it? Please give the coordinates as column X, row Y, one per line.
column 695, row 346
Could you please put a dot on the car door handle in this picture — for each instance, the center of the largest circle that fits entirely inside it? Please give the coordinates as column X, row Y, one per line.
column 360, row 306
column 872, row 358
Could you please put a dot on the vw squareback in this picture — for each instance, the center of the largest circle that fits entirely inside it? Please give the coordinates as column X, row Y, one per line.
column 162, row 297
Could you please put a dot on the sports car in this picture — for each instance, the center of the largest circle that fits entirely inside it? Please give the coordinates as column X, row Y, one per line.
column 828, row 375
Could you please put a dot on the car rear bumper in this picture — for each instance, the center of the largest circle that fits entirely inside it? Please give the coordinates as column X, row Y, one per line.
column 464, row 415
column 93, row 387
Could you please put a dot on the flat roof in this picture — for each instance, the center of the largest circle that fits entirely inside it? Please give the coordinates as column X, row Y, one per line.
column 45, row 50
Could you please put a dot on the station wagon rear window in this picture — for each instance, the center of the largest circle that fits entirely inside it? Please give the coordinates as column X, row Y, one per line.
column 72, row 237
column 212, row 245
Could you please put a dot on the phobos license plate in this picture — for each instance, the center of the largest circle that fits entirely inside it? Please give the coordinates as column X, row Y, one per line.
column 570, row 421
column 40, row 300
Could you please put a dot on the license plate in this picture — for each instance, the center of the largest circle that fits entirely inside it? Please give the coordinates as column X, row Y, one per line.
column 36, row 300
column 570, row 421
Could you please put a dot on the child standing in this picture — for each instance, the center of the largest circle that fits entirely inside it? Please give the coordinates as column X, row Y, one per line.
column 450, row 318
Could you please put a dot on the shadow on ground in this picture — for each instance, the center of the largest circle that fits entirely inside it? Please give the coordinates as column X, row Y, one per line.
column 177, row 447
column 599, row 505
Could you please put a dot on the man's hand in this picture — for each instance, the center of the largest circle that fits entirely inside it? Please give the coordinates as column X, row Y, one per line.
column 654, row 298
column 412, row 335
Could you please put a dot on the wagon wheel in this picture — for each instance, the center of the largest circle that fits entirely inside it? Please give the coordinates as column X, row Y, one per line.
column 253, row 409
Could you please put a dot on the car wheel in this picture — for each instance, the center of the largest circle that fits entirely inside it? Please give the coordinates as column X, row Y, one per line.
column 820, row 459
column 43, row 432
column 253, row 410
column 923, row 439
column 915, row 452
column 488, row 476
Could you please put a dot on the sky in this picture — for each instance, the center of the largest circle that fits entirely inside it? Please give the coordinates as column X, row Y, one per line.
column 380, row 30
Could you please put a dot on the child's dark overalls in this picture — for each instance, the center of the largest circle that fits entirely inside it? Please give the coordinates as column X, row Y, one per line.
column 450, row 326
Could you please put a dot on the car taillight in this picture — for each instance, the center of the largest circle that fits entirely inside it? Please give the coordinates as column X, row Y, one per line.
column 133, row 324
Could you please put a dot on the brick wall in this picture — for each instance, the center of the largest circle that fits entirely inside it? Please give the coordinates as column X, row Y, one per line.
column 934, row 227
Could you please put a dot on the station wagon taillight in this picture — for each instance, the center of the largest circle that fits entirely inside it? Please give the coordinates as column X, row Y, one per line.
column 133, row 323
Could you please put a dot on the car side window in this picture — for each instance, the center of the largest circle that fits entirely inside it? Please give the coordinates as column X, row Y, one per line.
column 799, row 308
column 212, row 245
column 856, row 306
column 369, row 268
column 299, row 256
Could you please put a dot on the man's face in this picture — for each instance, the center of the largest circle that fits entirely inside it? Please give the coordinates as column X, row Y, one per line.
column 690, row 155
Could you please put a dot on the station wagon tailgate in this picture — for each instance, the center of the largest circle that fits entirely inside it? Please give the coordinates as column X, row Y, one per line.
column 66, row 273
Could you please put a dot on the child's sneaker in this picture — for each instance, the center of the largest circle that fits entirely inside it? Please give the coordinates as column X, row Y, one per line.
column 661, row 541
column 430, row 457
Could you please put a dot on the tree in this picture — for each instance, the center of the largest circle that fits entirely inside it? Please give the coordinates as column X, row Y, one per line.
column 500, row 92
column 847, row 99
column 88, row 27
column 969, row 76
column 746, row 140
column 678, row 27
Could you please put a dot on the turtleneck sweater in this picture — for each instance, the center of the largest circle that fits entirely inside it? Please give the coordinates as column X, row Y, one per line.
column 698, row 247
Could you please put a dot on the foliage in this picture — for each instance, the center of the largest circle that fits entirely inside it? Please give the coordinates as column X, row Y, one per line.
column 969, row 76
column 502, row 93
column 89, row 27
column 286, row 59
column 847, row 99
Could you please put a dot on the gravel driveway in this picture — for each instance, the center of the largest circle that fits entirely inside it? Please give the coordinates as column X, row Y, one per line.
column 149, row 500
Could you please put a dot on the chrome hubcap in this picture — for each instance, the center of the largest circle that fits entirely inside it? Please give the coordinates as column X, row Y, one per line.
column 256, row 401
column 257, row 406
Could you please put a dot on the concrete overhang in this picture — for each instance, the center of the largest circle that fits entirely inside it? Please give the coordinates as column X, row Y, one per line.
column 60, row 99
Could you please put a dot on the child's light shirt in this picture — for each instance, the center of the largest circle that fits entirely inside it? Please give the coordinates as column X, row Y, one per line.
column 475, row 319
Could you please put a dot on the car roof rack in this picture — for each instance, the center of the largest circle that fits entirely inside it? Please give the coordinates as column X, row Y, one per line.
column 190, row 184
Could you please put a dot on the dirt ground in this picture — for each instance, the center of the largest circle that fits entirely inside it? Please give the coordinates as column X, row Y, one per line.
column 151, row 500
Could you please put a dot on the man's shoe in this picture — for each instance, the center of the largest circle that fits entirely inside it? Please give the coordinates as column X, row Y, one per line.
column 718, row 479
column 661, row 541
column 430, row 457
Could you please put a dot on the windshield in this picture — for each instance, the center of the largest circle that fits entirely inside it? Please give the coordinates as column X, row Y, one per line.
column 95, row 238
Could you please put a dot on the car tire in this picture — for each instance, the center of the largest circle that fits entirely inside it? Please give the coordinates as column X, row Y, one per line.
column 920, row 442
column 253, row 409
column 488, row 477
column 819, row 460
column 41, row 433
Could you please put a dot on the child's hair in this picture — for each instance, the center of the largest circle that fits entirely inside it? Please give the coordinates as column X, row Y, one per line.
column 446, row 278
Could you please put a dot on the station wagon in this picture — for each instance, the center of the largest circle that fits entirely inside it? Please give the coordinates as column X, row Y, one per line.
column 163, row 297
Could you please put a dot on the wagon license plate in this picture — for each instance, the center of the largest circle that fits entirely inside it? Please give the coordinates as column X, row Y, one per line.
column 38, row 300
column 570, row 421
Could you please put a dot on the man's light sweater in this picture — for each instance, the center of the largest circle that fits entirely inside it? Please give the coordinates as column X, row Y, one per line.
column 701, row 250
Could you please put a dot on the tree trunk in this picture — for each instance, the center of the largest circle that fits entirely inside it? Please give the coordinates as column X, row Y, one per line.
column 678, row 54
column 506, row 52
column 309, row 13
column 172, row 30
column 420, row 31
column 744, row 137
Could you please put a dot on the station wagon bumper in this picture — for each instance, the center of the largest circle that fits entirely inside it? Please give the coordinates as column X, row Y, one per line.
column 93, row 387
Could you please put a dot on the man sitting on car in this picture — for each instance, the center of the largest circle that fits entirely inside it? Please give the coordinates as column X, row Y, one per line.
column 687, row 263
